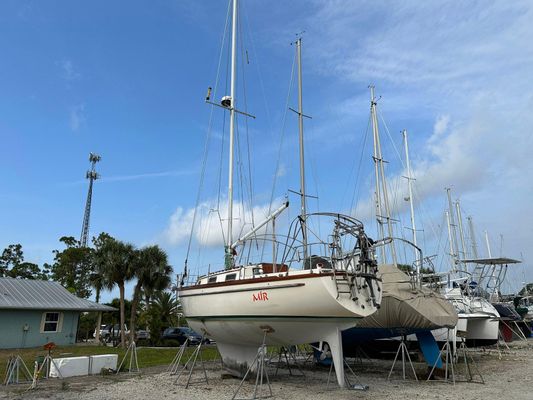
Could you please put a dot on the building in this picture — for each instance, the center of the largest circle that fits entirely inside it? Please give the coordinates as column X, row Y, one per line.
column 35, row 312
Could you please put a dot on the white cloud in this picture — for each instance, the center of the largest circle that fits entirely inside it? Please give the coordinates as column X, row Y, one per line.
column 211, row 222
column 68, row 71
column 440, row 127
column 77, row 117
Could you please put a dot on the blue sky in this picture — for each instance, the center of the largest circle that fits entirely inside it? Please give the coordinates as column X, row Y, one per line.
column 127, row 81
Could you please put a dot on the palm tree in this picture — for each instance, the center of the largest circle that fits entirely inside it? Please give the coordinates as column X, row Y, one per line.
column 115, row 261
column 165, row 306
column 153, row 274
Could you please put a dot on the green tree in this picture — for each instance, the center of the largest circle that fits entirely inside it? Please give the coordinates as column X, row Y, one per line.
column 162, row 313
column 73, row 267
column 97, row 279
column 153, row 274
column 115, row 261
column 12, row 265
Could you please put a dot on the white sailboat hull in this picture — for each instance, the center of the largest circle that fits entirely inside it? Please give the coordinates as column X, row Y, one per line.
column 477, row 318
column 294, row 308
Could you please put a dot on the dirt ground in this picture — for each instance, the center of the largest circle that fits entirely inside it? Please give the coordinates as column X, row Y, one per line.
column 507, row 375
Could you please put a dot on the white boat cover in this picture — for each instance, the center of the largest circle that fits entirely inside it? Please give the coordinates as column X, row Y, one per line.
column 404, row 306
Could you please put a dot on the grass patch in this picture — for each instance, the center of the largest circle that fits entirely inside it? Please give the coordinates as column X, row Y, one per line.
column 147, row 356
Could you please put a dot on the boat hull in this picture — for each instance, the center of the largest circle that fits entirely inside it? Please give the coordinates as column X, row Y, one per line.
column 304, row 307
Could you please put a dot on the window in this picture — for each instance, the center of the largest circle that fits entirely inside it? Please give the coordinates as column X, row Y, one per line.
column 231, row 277
column 51, row 322
column 212, row 279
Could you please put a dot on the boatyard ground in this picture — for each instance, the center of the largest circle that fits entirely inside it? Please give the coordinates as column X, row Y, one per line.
column 508, row 375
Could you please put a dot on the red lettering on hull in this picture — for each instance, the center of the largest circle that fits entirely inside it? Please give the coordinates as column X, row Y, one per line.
column 261, row 296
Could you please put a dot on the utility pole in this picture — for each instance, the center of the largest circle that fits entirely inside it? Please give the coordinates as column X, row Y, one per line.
column 91, row 175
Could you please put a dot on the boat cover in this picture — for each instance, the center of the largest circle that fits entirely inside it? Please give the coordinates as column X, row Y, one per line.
column 404, row 306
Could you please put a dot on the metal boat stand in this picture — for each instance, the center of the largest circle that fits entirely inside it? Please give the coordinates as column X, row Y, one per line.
column 349, row 385
column 15, row 365
column 260, row 360
column 287, row 354
column 402, row 348
column 175, row 364
column 518, row 332
column 133, row 362
column 501, row 339
column 190, row 365
column 446, row 351
column 471, row 369
column 46, row 366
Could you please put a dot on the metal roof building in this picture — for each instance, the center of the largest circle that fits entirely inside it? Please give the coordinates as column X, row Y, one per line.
column 35, row 312
column 29, row 294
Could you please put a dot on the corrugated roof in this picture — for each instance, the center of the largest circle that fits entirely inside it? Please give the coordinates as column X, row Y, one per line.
column 28, row 294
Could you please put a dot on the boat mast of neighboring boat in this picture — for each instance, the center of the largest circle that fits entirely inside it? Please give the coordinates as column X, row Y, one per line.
column 382, row 198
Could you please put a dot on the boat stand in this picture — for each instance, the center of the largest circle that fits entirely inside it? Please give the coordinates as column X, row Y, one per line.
column 190, row 365
column 261, row 375
column 349, row 385
column 501, row 339
column 175, row 364
column 359, row 356
column 518, row 332
column 15, row 365
column 402, row 348
column 446, row 351
column 133, row 363
column 46, row 366
column 288, row 355
column 471, row 369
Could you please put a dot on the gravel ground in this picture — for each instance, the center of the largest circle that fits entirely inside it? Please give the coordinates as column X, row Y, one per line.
column 510, row 377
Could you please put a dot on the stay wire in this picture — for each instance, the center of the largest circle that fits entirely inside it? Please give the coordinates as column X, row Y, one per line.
column 207, row 142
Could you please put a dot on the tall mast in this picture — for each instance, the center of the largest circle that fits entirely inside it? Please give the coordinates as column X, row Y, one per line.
column 472, row 237
column 461, row 232
column 380, row 173
column 91, row 175
column 302, row 158
column 452, row 250
column 411, row 203
column 451, row 229
column 229, row 240
column 488, row 244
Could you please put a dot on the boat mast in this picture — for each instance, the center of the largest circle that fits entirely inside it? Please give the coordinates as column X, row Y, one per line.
column 411, row 204
column 228, row 259
column 303, row 211
column 380, row 172
column 452, row 251
column 454, row 248
column 488, row 244
column 472, row 237
column 461, row 232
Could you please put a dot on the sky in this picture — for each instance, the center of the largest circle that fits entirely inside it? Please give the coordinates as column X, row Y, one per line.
column 127, row 80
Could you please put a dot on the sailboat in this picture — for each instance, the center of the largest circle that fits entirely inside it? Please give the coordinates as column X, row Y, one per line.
column 478, row 318
column 407, row 307
column 304, row 296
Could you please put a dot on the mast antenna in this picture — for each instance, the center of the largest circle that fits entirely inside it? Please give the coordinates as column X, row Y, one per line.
column 91, row 175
